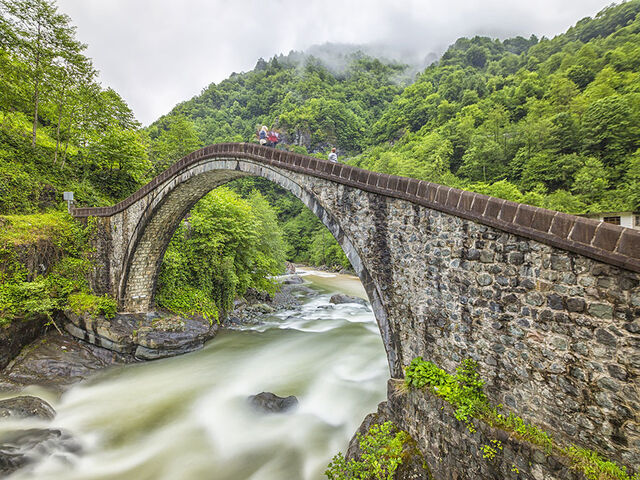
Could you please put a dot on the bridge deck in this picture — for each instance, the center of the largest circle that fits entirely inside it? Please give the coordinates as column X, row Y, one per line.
column 611, row 244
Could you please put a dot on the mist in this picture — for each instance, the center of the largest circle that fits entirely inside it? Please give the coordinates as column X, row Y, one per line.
column 156, row 53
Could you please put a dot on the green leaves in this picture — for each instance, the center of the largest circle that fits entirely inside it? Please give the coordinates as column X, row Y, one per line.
column 381, row 454
column 225, row 246
column 26, row 289
column 464, row 390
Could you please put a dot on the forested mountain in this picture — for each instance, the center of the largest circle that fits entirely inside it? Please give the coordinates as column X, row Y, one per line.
column 555, row 123
column 549, row 122
column 59, row 129
column 313, row 104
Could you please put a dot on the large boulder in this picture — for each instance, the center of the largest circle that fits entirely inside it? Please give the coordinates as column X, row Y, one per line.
column 271, row 403
column 56, row 361
column 293, row 280
column 340, row 298
column 146, row 336
column 26, row 406
column 16, row 335
column 18, row 449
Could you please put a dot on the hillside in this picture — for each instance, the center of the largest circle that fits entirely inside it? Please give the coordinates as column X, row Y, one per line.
column 549, row 122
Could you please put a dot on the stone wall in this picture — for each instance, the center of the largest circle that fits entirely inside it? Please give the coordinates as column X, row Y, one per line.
column 556, row 334
column 454, row 453
column 547, row 303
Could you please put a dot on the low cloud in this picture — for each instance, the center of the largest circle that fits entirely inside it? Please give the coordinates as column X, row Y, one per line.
column 156, row 53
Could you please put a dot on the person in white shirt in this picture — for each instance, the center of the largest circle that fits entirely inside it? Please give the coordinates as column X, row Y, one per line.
column 333, row 156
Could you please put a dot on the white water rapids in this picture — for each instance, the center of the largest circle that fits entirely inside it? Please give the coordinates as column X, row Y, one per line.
column 188, row 417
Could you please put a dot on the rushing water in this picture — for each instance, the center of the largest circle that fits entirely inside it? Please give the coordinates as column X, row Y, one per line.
column 188, row 417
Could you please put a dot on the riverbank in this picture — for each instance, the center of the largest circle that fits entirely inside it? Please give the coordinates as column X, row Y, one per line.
column 57, row 354
column 186, row 416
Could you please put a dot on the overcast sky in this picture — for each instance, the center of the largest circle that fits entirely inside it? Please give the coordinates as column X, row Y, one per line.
column 156, row 53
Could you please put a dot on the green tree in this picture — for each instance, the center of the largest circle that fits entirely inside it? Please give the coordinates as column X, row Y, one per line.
column 610, row 129
column 41, row 37
column 171, row 141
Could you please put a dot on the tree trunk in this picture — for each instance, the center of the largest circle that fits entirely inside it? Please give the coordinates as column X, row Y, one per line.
column 66, row 145
column 55, row 156
column 36, row 86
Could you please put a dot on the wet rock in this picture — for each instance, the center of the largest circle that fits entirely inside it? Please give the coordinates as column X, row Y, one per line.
column 171, row 336
column 256, row 296
column 261, row 308
column 298, row 290
column 293, row 280
column 340, row 298
column 147, row 336
column 284, row 299
column 18, row 334
column 26, row 406
column 290, row 268
column 19, row 449
column 271, row 403
column 56, row 361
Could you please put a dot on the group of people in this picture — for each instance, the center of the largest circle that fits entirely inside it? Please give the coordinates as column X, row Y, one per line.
column 269, row 138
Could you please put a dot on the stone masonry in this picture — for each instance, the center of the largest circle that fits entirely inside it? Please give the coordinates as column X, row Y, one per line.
column 547, row 303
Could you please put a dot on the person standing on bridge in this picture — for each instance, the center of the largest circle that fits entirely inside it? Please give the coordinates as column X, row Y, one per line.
column 273, row 139
column 262, row 135
column 333, row 156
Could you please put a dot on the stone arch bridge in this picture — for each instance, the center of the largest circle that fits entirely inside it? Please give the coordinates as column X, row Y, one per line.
column 547, row 303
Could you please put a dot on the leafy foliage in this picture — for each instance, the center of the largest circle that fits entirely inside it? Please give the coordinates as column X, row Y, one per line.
column 59, row 130
column 464, row 391
column 28, row 288
column 556, row 120
column 226, row 245
column 84, row 303
column 595, row 467
column 382, row 452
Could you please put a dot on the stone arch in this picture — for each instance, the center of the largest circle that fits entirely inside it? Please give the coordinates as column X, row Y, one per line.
column 177, row 196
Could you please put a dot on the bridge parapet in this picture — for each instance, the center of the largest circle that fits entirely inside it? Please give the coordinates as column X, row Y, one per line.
column 611, row 244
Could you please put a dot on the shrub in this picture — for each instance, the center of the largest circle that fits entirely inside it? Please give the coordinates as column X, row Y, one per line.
column 382, row 452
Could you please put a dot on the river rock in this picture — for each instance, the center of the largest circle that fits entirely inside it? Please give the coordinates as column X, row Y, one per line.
column 16, row 335
column 26, row 406
column 56, row 361
column 290, row 268
column 293, row 280
column 261, row 308
column 271, row 403
column 253, row 295
column 340, row 298
column 170, row 336
column 299, row 290
column 18, row 449
column 147, row 336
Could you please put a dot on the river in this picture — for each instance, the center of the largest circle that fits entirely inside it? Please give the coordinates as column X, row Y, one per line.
column 188, row 417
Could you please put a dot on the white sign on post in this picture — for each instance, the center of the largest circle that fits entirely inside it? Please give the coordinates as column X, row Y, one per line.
column 68, row 196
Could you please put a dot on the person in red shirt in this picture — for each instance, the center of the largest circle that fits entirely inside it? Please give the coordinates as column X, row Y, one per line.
column 273, row 139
